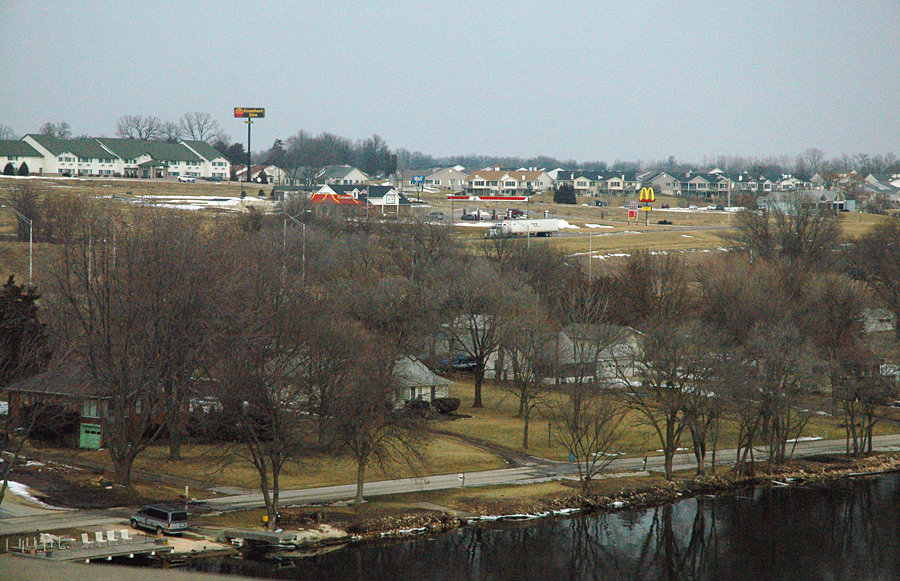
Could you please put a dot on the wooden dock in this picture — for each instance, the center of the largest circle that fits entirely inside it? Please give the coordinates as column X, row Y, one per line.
column 257, row 537
column 79, row 552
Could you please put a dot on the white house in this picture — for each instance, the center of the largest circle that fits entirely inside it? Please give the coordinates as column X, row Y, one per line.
column 17, row 152
column 414, row 381
column 341, row 175
column 499, row 183
column 274, row 174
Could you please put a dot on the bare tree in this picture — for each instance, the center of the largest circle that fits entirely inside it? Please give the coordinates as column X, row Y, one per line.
column 796, row 228
column 143, row 127
column 876, row 261
column 199, row 126
column 365, row 423
column 57, row 129
column 107, row 290
column 813, row 158
column 665, row 367
column 587, row 427
column 7, row 132
column 477, row 310
column 265, row 327
column 171, row 132
column 780, row 363
column 26, row 197
column 529, row 344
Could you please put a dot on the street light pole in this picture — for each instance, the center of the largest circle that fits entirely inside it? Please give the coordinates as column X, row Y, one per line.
column 284, row 243
column 591, row 256
column 30, row 223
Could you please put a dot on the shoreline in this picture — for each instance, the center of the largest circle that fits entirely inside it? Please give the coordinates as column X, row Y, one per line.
column 799, row 473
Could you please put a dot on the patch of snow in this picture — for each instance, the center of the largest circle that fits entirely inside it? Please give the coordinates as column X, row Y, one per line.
column 598, row 226
column 20, row 489
column 614, row 255
column 563, row 224
column 687, row 236
column 804, row 439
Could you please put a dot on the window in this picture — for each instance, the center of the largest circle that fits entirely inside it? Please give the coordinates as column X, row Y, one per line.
column 89, row 409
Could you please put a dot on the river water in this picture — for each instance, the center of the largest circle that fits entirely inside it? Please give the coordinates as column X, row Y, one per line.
column 845, row 530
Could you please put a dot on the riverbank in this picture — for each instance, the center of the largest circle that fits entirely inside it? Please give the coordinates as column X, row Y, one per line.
column 415, row 514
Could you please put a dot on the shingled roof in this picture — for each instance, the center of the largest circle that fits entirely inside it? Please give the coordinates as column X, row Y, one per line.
column 80, row 147
column 18, row 148
column 133, row 148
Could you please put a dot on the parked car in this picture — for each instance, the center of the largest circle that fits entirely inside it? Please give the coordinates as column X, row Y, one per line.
column 516, row 213
column 434, row 216
column 468, row 217
column 463, row 363
column 665, row 204
column 187, row 179
column 161, row 518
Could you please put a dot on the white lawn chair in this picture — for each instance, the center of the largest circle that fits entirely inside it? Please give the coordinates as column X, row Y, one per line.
column 98, row 536
column 126, row 536
column 86, row 541
column 111, row 537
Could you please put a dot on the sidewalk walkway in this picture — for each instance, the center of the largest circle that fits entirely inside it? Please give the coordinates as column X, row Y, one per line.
column 521, row 475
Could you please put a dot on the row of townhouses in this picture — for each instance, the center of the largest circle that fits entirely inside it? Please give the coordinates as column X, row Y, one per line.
column 111, row 157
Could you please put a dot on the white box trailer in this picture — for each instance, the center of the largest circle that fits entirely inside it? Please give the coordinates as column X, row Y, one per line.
column 536, row 227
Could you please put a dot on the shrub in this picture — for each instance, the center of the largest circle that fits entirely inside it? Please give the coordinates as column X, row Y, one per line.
column 417, row 406
column 52, row 423
column 9, row 170
column 445, row 405
column 564, row 194
column 23, row 169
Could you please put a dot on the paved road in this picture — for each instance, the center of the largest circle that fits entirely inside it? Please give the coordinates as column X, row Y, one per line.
column 538, row 472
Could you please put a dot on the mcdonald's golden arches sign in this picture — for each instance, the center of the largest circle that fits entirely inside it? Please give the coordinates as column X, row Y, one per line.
column 647, row 195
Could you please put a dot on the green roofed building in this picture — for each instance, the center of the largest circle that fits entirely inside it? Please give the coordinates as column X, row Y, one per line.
column 17, row 152
column 113, row 157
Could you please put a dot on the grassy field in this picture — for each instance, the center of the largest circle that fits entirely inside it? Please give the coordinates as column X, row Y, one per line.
column 443, row 455
column 497, row 423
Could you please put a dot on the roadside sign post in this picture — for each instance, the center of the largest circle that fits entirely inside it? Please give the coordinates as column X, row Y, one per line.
column 419, row 181
column 248, row 113
column 647, row 196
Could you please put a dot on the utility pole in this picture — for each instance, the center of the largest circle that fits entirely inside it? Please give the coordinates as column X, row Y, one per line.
column 30, row 222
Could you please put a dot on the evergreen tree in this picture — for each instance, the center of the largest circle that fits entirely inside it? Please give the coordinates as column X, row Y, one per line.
column 23, row 169
column 564, row 194
column 23, row 342
column 9, row 170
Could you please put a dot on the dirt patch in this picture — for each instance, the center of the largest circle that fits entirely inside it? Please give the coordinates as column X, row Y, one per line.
column 76, row 487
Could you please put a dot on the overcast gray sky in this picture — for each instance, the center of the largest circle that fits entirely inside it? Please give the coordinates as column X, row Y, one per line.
column 591, row 81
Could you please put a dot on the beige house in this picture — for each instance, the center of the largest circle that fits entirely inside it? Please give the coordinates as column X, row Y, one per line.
column 450, row 178
column 499, row 183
